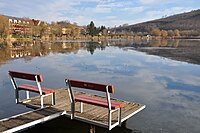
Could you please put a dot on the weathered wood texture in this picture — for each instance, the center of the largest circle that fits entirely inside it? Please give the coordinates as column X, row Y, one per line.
column 26, row 118
column 91, row 113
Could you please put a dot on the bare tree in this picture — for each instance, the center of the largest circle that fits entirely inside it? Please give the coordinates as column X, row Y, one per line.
column 4, row 27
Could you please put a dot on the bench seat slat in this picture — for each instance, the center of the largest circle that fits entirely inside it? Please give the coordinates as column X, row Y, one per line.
column 101, row 100
column 33, row 88
column 98, row 101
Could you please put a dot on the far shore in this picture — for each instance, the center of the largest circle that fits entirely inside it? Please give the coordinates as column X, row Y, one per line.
column 94, row 38
column 48, row 38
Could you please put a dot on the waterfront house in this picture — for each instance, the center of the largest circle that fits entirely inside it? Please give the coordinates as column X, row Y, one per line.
column 21, row 27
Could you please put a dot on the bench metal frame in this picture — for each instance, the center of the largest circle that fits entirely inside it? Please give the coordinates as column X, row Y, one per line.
column 110, row 110
column 17, row 98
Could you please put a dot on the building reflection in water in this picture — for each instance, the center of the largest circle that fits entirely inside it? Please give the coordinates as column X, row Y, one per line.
column 14, row 50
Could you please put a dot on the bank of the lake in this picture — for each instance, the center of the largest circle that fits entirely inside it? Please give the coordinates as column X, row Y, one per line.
column 168, row 87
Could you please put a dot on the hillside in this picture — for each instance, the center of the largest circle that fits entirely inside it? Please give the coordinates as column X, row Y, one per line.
column 184, row 22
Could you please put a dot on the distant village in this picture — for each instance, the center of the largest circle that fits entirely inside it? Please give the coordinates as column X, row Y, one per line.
column 12, row 28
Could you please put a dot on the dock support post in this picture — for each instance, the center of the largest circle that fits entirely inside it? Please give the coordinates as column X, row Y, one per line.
column 92, row 128
column 124, row 124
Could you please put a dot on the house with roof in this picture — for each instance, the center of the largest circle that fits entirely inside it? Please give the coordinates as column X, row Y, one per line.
column 21, row 27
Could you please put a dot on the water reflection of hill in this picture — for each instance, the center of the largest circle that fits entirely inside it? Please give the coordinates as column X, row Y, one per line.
column 181, row 50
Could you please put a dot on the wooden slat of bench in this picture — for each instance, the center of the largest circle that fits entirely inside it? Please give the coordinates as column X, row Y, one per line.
column 27, row 76
column 98, row 101
column 33, row 88
column 91, row 86
column 104, row 100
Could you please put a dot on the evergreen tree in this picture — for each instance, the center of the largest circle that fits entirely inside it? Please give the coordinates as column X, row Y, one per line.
column 92, row 30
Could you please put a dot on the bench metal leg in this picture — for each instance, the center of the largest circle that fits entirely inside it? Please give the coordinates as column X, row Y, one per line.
column 81, row 107
column 42, row 101
column 110, row 125
column 72, row 110
column 53, row 99
column 120, row 116
column 109, row 119
column 27, row 95
column 17, row 100
column 17, row 96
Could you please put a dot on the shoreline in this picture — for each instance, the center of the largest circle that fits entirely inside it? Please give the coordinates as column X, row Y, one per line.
column 99, row 38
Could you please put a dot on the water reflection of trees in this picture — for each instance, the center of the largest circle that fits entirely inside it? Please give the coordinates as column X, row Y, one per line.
column 26, row 50
column 180, row 50
column 144, row 43
column 13, row 50
column 4, row 53
column 91, row 47
column 164, row 43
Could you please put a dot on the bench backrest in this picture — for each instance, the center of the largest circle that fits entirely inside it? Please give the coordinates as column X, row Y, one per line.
column 27, row 76
column 90, row 85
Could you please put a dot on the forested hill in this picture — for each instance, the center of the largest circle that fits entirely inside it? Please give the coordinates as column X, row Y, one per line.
column 189, row 21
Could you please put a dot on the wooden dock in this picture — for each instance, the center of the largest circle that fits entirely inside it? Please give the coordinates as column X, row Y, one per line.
column 94, row 115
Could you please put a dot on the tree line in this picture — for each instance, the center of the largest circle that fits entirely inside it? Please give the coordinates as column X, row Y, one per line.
column 43, row 29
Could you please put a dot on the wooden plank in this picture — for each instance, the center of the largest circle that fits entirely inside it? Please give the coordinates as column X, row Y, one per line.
column 94, row 112
column 19, row 122
column 91, row 114
column 97, row 101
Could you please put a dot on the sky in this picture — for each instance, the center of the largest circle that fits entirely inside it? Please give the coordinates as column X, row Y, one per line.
column 109, row 13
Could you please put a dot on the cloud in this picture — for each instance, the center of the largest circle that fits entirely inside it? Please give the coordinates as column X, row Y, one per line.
column 157, row 1
column 113, row 5
column 111, row 17
column 113, row 22
column 126, row 11
column 102, row 10
column 81, row 19
column 43, row 10
column 133, row 10
column 150, row 1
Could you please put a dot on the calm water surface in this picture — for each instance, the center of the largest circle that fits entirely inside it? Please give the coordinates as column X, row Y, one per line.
column 170, row 89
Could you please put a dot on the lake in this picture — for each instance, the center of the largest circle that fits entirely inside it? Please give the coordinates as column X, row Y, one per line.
column 142, row 71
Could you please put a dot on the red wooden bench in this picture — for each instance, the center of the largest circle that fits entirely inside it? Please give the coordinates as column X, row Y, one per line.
column 103, row 102
column 32, row 88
